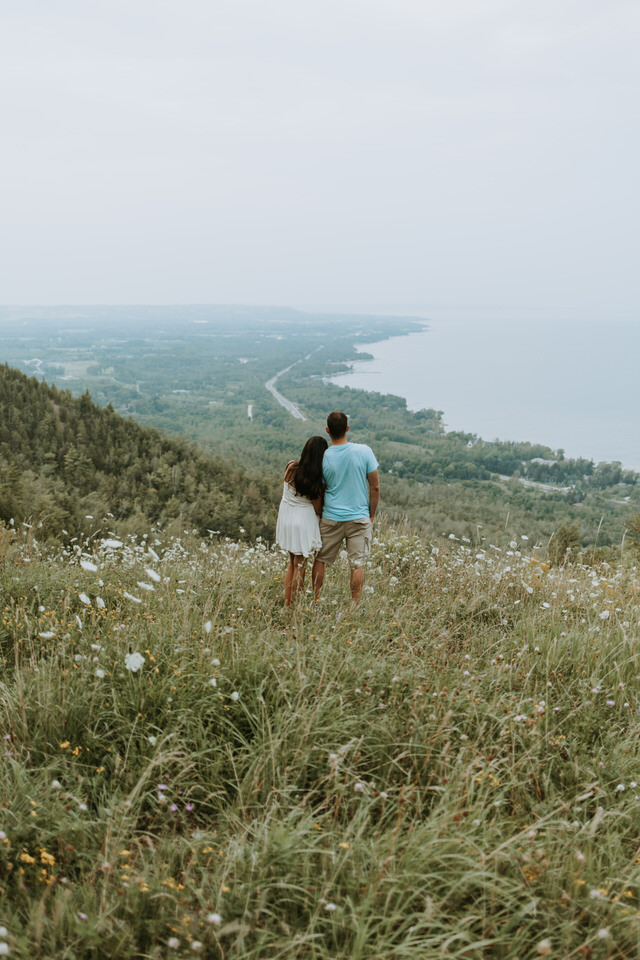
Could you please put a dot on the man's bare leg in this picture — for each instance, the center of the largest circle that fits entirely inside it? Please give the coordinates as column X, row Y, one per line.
column 317, row 578
column 356, row 582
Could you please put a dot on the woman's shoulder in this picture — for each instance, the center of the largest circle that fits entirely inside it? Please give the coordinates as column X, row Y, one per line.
column 290, row 470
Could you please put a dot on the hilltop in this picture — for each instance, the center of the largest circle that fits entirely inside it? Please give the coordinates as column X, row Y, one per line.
column 449, row 772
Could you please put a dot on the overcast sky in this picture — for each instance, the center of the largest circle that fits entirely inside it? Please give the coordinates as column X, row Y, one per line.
column 481, row 153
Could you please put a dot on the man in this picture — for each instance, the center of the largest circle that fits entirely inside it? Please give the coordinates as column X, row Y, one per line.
column 350, row 472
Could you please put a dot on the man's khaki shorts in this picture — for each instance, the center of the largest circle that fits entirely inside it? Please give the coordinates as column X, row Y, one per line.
column 357, row 534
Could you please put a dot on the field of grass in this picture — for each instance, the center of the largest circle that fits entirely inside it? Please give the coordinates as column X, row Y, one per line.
column 189, row 769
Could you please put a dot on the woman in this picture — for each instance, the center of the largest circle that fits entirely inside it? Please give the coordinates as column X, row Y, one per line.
column 297, row 530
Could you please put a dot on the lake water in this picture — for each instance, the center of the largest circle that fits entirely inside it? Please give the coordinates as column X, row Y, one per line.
column 568, row 384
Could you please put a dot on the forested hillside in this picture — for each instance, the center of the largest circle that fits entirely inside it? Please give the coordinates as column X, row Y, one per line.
column 66, row 463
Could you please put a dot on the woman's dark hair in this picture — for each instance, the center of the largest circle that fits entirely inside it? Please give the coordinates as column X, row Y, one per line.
column 307, row 478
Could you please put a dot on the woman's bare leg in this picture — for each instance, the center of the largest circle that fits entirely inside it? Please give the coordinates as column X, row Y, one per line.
column 299, row 570
column 294, row 578
column 288, row 581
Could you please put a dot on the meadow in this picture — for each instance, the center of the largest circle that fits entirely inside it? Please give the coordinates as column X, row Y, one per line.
column 190, row 769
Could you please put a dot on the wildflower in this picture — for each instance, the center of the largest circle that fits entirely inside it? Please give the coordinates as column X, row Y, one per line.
column 173, row 943
column 88, row 565
column 56, row 785
column 46, row 635
column 100, row 603
column 359, row 787
column 152, row 740
column 605, row 614
column 544, row 948
column 235, row 695
column 4, row 949
column 134, row 662
column 189, row 807
column 196, row 945
column 152, row 574
column 603, row 933
column 207, row 626
column 214, row 918
column 620, row 788
column 100, row 674
column 85, row 599
column 213, row 682
column 130, row 596
column 4, row 933
column 330, row 907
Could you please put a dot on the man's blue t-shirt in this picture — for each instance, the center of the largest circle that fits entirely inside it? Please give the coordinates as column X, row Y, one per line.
column 344, row 469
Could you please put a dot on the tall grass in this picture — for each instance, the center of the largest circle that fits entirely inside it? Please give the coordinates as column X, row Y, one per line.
column 449, row 771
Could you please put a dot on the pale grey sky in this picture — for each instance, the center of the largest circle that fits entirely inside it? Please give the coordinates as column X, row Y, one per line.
column 475, row 152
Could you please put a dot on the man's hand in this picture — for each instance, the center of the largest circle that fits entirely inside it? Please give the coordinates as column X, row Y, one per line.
column 374, row 493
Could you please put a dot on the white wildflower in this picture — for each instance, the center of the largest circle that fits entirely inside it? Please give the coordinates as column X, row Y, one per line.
column 134, row 662
column 88, row 565
column 152, row 574
column 85, row 599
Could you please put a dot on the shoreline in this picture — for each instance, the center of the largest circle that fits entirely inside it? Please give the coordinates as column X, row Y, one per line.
column 495, row 398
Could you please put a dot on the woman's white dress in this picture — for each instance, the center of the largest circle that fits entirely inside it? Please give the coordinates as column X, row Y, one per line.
column 297, row 530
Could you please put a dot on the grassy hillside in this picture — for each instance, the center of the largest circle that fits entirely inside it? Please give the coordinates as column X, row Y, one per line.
column 449, row 772
column 65, row 464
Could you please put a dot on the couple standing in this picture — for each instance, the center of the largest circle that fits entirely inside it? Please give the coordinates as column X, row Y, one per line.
column 330, row 496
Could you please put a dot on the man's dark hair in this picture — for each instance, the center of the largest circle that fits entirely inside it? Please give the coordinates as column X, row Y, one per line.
column 337, row 423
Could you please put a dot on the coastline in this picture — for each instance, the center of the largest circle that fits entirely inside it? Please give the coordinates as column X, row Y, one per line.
column 528, row 383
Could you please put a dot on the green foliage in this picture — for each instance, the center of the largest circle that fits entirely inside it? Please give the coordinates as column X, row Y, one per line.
column 565, row 544
column 201, row 372
column 67, row 464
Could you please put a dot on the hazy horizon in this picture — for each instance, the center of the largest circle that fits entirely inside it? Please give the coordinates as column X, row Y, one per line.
column 393, row 152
